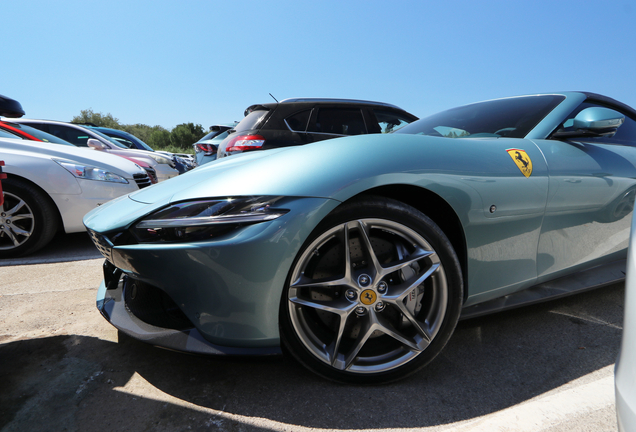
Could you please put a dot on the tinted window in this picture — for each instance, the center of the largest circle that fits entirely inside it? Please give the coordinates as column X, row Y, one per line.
column 128, row 140
column 214, row 133
column 390, row 121
column 513, row 117
column 220, row 137
column 298, row 122
column 72, row 135
column 625, row 135
column 338, row 121
column 251, row 121
column 46, row 137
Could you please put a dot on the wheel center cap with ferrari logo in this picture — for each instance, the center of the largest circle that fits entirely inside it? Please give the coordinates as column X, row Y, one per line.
column 368, row 297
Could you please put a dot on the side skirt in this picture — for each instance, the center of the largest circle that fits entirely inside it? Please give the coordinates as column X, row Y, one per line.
column 593, row 278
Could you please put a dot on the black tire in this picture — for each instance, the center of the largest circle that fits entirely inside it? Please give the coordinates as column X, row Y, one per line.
column 373, row 295
column 28, row 220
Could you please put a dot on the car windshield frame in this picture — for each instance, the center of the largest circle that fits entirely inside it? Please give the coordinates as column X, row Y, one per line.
column 510, row 118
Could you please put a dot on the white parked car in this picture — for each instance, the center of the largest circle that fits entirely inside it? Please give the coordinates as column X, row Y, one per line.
column 51, row 187
column 86, row 137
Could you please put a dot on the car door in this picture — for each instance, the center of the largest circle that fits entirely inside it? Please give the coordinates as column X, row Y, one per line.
column 590, row 199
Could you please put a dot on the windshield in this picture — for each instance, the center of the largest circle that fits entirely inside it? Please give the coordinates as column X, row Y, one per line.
column 109, row 139
column 512, row 117
column 128, row 140
column 216, row 133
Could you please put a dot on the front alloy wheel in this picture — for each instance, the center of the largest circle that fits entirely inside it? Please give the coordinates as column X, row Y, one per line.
column 374, row 295
column 28, row 219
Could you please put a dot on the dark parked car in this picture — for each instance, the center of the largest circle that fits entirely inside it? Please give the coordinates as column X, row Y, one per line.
column 293, row 122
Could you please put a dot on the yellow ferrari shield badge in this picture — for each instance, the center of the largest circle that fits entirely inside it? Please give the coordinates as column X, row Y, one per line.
column 522, row 160
column 368, row 297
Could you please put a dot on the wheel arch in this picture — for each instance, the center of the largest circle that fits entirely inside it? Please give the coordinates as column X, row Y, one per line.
column 60, row 225
column 435, row 207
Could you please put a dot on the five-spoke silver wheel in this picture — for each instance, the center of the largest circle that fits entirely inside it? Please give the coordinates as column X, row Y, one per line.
column 367, row 296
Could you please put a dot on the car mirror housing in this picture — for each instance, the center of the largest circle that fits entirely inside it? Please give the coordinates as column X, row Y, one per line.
column 95, row 144
column 598, row 119
column 594, row 121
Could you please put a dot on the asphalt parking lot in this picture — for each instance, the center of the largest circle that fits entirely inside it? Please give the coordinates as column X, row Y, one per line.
column 547, row 367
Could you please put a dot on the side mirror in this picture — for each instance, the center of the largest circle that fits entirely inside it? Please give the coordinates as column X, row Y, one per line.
column 598, row 119
column 592, row 122
column 95, row 144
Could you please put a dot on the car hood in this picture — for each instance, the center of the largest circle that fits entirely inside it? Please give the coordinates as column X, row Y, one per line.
column 336, row 169
column 115, row 164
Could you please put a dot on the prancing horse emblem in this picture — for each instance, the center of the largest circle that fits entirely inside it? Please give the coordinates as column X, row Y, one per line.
column 522, row 160
column 368, row 297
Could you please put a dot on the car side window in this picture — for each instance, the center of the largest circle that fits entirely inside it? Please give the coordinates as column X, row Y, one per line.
column 339, row 121
column 74, row 136
column 389, row 121
column 298, row 122
column 625, row 135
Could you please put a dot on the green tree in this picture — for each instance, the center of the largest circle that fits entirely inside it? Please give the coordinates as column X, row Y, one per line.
column 186, row 134
column 158, row 138
column 98, row 119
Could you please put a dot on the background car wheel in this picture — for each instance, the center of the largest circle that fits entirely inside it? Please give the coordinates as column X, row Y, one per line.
column 28, row 220
column 620, row 207
column 373, row 295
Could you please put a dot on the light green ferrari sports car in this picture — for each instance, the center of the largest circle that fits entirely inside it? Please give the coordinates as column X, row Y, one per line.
column 357, row 256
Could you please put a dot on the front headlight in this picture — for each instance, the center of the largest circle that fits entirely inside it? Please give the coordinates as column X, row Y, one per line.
column 89, row 172
column 204, row 219
column 162, row 159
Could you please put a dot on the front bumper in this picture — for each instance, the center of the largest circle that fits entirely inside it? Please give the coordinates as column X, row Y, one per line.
column 228, row 289
column 112, row 305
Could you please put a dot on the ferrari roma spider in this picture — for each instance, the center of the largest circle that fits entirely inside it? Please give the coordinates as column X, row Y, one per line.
column 359, row 255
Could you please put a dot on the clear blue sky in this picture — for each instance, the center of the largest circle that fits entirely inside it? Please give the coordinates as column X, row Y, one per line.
column 165, row 62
